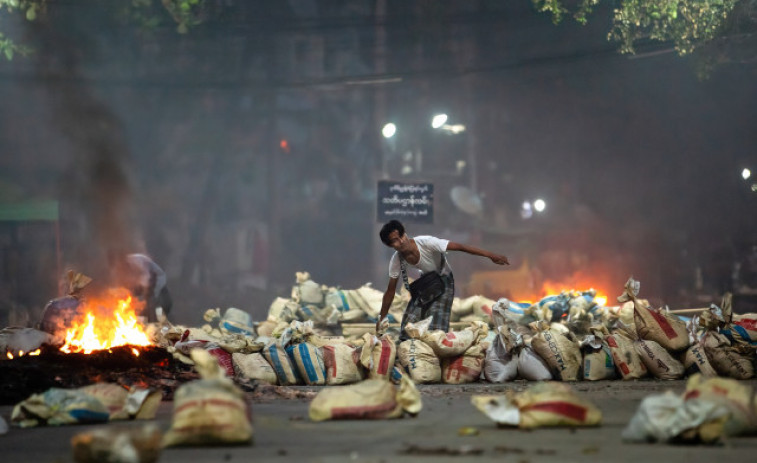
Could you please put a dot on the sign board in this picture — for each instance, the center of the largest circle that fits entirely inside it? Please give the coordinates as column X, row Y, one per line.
column 405, row 201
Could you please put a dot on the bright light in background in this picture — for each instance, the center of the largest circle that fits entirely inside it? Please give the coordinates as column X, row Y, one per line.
column 746, row 173
column 438, row 120
column 539, row 205
column 525, row 210
column 389, row 130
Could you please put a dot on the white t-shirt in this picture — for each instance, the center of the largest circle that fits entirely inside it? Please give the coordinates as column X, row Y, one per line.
column 431, row 249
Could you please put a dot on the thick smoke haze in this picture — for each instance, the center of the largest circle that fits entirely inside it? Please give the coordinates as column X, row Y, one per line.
column 250, row 148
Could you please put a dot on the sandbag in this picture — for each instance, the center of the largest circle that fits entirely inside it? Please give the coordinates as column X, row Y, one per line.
column 369, row 399
column 666, row 329
column 465, row 368
column 598, row 364
column 532, row 367
column 254, row 366
column 560, row 352
column 658, row 361
column 695, row 361
column 286, row 372
column 342, row 363
column 627, row 361
column 455, row 343
column 726, row 360
column 543, row 405
column 209, row 411
column 307, row 291
column 309, row 362
column 499, row 364
column 378, row 355
column 420, row 361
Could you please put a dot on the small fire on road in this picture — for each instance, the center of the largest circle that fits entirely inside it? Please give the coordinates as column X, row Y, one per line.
column 108, row 321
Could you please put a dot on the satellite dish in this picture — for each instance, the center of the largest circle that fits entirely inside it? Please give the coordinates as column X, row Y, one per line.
column 466, row 200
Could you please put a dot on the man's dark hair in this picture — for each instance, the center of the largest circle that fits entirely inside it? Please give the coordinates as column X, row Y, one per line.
column 389, row 227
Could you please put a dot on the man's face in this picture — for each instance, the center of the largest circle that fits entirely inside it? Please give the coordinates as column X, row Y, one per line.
column 398, row 242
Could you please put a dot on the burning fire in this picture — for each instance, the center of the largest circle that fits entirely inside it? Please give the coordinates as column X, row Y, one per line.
column 109, row 321
column 550, row 288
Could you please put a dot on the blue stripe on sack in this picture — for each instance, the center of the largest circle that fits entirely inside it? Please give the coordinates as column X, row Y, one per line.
column 307, row 362
column 235, row 329
column 307, row 311
column 345, row 305
column 83, row 415
column 276, row 363
column 295, row 370
column 744, row 334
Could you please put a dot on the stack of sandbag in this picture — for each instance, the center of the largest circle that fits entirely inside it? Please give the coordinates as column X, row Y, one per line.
column 727, row 354
column 508, row 357
column 328, row 307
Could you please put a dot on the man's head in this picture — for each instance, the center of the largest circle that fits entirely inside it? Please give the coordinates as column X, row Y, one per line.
column 386, row 233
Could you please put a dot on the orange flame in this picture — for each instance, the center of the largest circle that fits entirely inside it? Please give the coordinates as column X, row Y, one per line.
column 110, row 321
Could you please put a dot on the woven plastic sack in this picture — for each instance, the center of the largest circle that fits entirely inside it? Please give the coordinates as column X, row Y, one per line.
column 254, row 366
column 725, row 359
column 696, row 361
column 342, row 363
column 658, row 361
column 369, row 400
column 286, row 372
column 378, row 355
column 420, row 361
column 560, row 352
column 209, row 411
column 627, row 361
column 465, row 368
column 546, row 404
column 309, row 362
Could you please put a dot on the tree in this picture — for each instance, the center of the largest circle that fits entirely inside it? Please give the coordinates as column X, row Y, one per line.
column 715, row 31
column 145, row 13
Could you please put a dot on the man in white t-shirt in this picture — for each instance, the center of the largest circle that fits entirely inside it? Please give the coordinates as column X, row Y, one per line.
column 427, row 254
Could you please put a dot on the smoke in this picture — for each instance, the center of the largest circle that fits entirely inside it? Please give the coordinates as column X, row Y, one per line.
column 96, row 191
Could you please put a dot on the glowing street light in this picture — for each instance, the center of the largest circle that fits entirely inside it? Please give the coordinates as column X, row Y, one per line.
column 389, row 130
column 438, row 120
column 539, row 205
column 746, row 173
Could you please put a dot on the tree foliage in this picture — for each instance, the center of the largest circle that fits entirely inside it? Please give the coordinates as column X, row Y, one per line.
column 688, row 24
column 145, row 13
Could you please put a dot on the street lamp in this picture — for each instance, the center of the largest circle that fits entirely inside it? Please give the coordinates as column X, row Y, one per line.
column 389, row 130
column 438, row 121
column 746, row 173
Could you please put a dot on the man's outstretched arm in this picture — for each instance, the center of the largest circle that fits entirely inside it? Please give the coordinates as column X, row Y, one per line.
column 499, row 259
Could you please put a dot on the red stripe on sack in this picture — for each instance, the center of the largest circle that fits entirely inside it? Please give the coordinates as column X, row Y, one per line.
column 611, row 342
column 624, row 368
column 448, row 338
column 486, row 309
column 572, row 411
column 747, row 323
column 204, row 402
column 383, row 365
column 691, row 395
column 329, row 359
column 664, row 324
column 371, row 411
column 719, row 390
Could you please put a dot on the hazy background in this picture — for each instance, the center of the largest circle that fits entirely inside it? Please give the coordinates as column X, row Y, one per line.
column 249, row 148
